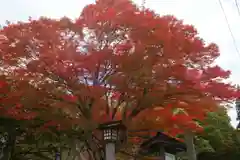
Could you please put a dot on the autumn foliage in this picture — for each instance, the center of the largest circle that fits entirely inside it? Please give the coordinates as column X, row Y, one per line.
column 117, row 62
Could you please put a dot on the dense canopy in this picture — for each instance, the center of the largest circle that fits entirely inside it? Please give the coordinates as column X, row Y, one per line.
column 114, row 61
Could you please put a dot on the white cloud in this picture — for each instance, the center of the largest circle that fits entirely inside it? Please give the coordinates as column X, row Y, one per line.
column 205, row 15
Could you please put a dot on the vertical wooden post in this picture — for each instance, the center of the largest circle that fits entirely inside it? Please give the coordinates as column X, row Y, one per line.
column 162, row 153
column 191, row 152
column 110, row 151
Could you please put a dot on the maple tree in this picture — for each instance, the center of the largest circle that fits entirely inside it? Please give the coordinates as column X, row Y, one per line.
column 23, row 120
column 26, row 128
column 118, row 62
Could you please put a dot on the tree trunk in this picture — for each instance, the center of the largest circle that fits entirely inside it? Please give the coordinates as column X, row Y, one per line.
column 9, row 149
column 191, row 152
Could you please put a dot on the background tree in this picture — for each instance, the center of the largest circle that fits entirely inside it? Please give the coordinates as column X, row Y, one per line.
column 220, row 134
column 26, row 127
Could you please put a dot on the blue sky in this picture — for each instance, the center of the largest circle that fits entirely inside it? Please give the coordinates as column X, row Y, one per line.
column 205, row 15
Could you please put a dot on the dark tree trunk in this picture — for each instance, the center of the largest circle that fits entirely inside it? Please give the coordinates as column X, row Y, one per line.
column 8, row 150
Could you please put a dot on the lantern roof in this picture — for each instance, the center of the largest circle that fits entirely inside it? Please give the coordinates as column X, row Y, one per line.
column 112, row 125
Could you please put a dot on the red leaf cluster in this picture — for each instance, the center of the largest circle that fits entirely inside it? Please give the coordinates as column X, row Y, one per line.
column 10, row 99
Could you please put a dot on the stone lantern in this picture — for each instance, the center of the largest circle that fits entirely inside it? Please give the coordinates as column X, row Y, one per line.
column 113, row 133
